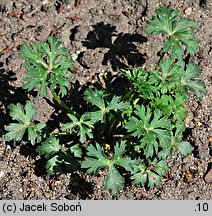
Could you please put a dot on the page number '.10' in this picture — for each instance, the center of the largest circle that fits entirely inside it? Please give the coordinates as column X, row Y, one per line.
column 202, row 207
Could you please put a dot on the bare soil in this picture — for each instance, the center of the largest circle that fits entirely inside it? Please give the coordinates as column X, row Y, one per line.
column 101, row 36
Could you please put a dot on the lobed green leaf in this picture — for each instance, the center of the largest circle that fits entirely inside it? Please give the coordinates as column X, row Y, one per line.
column 190, row 80
column 97, row 160
column 24, row 116
column 179, row 30
column 96, row 98
column 48, row 66
column 152, row 175
column 83, row 127
column 151, row 128
column 49, row 147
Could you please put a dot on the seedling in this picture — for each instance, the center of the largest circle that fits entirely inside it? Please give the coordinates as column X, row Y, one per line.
column 130, row 134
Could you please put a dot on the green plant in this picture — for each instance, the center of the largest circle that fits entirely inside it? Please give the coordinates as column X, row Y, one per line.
column 178, row 29
column 24, row 116
column 48, row 66
column 96, row 160
column 127, row 135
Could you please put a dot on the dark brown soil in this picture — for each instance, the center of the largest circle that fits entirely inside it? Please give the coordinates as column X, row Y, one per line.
column 101, row 36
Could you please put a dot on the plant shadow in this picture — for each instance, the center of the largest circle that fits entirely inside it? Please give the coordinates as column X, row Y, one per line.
column 80, row 187
column 122, row 47
column 8, row 94
column 5, row 87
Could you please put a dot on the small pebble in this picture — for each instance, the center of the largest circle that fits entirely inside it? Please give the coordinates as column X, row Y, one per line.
column 208, row 177
column 189, row 160
column 188, row 11
column 188, row 120
column 74, row 56
column 1, row 174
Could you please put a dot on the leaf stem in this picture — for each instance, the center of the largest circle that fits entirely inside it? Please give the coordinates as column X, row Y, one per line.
column 111, row 128
column 161, row 57
column 124, row 137
column 62, row 104
column 129, row 94
column 59, row 134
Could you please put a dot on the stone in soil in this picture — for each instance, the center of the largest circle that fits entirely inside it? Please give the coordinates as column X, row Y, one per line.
column 208, row 177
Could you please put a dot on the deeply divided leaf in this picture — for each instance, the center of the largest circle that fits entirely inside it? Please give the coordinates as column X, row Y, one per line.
column 152, row 129
column 190, row 80
column 83, row 127
column 151, row 175
column 141, row 82
column 97, row 98
column 97, row 160
column 49, row 147
column 24, row 116
column 179, row 30
column 47, row 65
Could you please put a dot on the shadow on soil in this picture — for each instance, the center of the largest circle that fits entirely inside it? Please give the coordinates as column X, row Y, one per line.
column 8, row 94
column 79, row 186
column 121, row 46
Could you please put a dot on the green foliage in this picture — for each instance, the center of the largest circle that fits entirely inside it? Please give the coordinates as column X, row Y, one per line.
column 49, row 147
column 76, row 150
column 152, row 129
column 151, row 175
column 179, row 30
column 134, row 132
column 166, row 78
column 96, row 98
column 97, row 160
column 172, row 106
column 58, row 160
column 62, row 162
column 176, row 141
column 140, row 80
column 47, row 65
column 83, row 127
column 23, row 115
column 51, row 164
column 189, row 80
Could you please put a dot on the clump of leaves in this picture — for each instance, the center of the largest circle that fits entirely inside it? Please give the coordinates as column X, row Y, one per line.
column 126, row 135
